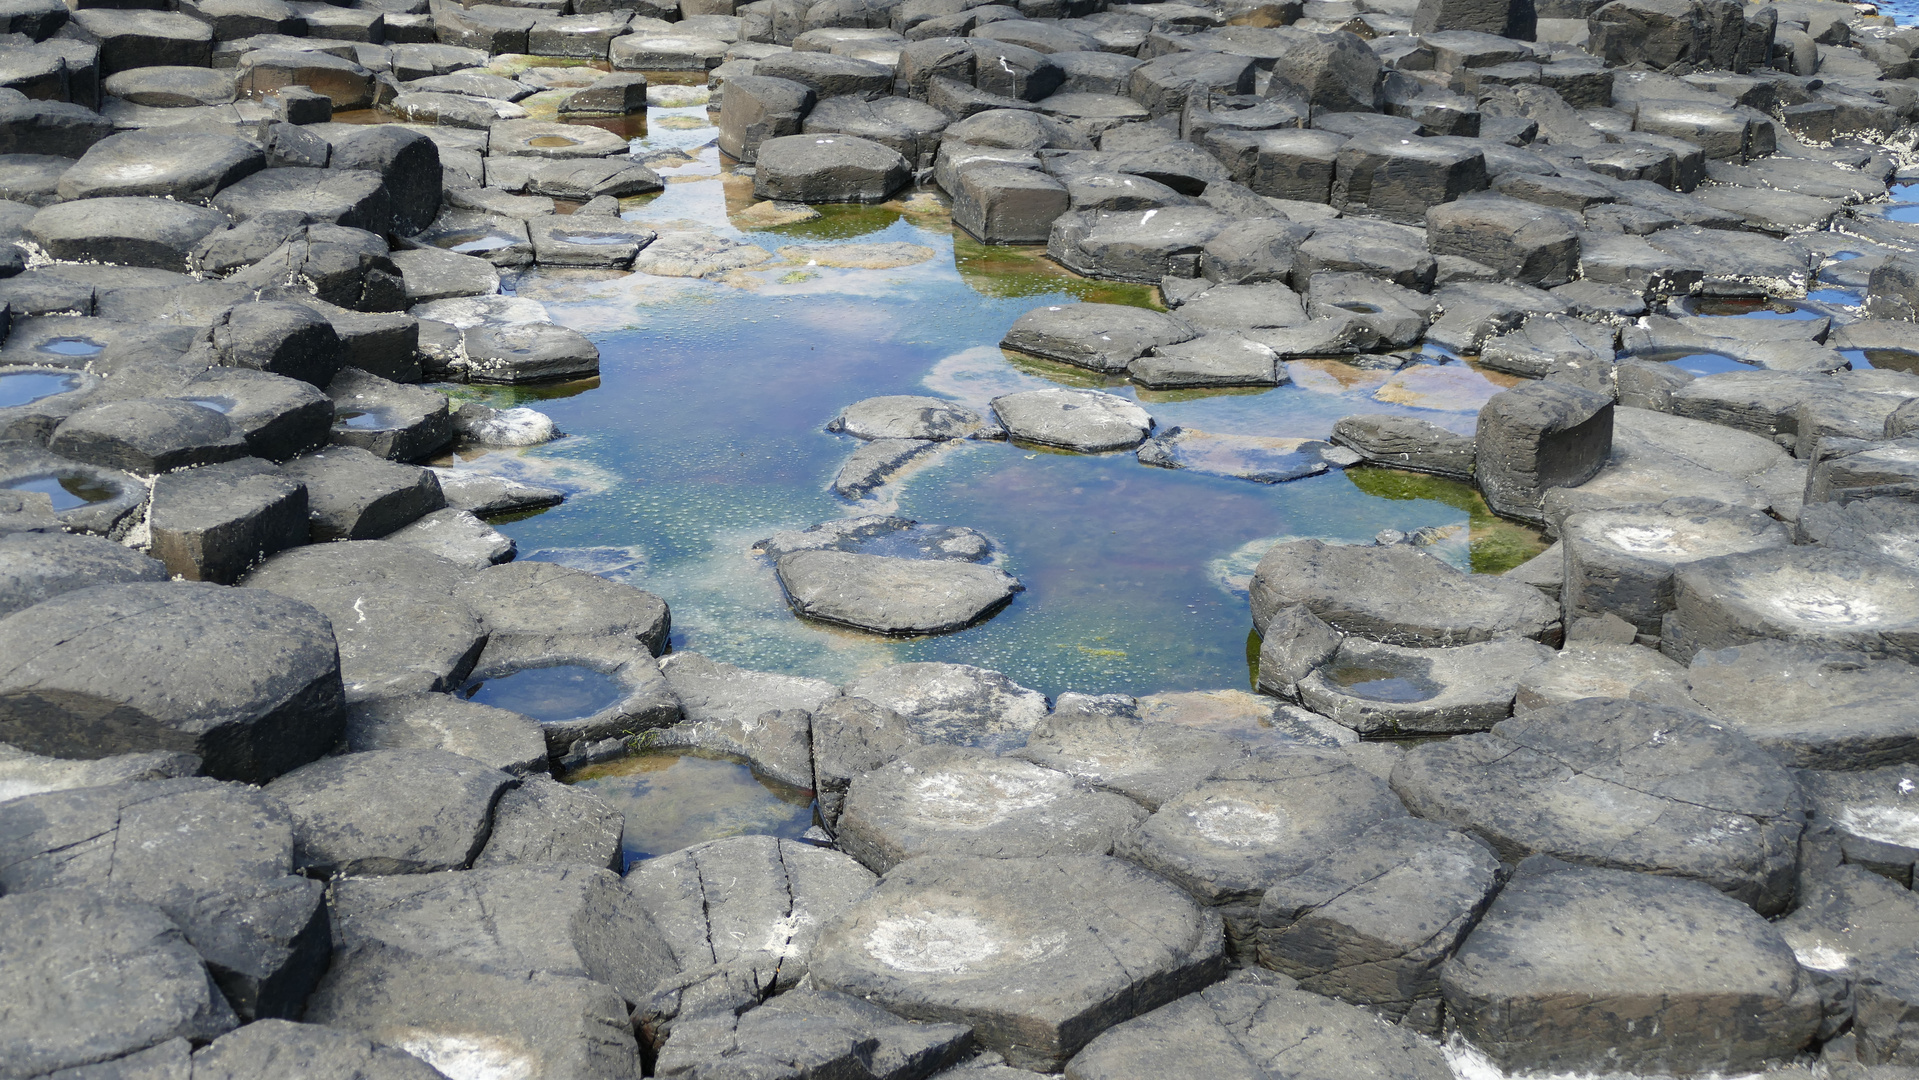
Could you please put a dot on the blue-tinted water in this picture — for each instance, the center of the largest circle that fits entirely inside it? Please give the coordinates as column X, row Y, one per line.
column 67, row 492
column 26, row 387
column 706, row 432
column 547, row 694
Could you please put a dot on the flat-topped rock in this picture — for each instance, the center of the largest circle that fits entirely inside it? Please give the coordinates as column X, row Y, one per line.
column 255, row 1051
column 507, row 741
column 248, row 681
column 955, row 703
column 1811, row 706
column 1102, row 337
column 397, row 632
column 747, row 900
column 1873, row 813
column 1621, row 561
column 1612, row 669
column 905, row 416
column 1229, row 839
column 132, row 982
column 1148, row 761
column 1086, row 421
column 536, row 603
column 215, row 857
column 188, row 166
column 951, row 800
column 1371, row 924
column 828, row 169
column 1098, row 940
column 1380, row 689
column 1397, row 594
column 573, row 920
column 1569, row 961
column 390, row 811
column 1681, row 795
column 38, row 566
column 890, row 595
column 1816, row 596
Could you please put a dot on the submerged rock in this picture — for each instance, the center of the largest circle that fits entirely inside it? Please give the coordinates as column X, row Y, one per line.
column 889, row 595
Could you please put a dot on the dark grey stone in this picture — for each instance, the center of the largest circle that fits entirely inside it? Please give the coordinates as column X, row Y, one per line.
column 889, row 595
column 545, row 821
column 1400, row 179
column 214, row 523
column 1569, row 961
column 526, row 353
column 147, row 435
column 1397, row 594
column 940, row 939
column 1707, row 803
column 1102, row 337
column 131, row 231
column 1621, row 561
column 248, row 681
column 262, row 1050
column 828, row 168
column 957, row 801
column 954, row 703
column 1147, row 761
column 1005, row 204
column 1380, row 689
column 1372, row 924
column 1086, row 421
column 1229, row 839
column 504, row 740
column 1819, row 597
column 354, row 198
column 398, row 629
column 1813, row 707
column 1539, row 436
column 214, row 857
column 537, row 603
column 397, row 422
column 1407, row 442
column 555, row 919
column 353, row 495
column 188, row 166
column 552, row 1026
column 389, row 811
column 1257, row 1023
column 35, row 566
column 132, row 981
column 117, row 495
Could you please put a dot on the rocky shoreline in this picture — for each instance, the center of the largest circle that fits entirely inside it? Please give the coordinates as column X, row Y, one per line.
column 1641, row 805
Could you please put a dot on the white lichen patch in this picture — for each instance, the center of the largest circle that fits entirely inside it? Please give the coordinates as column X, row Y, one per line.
column 933, row 943
column 470, row 1057
column 1821, row 957
column 1237, row 824
column 1886, row 824
column 1645, row 539
column 1825, row 607
column 973, row 800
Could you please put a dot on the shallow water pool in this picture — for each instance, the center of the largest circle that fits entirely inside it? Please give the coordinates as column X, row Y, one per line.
column 706, row 432
column 674, row 800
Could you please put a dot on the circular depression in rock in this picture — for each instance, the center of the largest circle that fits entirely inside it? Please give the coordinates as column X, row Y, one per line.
column 1239, row 824
column 368, row 418
column 221, row 405
column 1381, row 679
column 673, row 800
column 941, row 943
column 977, row 799
column 552, row 140
column 68, row 490
column 469, row 243
column 72, row 346
column 27, row 387
column 550, row 695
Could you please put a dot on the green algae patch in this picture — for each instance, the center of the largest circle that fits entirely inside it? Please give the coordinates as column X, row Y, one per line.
column 1012, row 271
column 1498, row 544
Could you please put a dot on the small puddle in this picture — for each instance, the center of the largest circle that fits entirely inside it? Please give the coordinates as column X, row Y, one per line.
column 371, row 418
column 221, row 405
column 672, row 800
column 71, row 346
column 1888, row 359
column 550, row 695
column 68, row 490
column 552, row 140
column 27, row 387
column 1383, row 682
column 584, row 238
column 1707, row 363
column 472, row 243
column 1752, row 309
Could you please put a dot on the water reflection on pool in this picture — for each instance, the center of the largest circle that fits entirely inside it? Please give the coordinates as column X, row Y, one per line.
column 676, row 800
column 707, row 433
